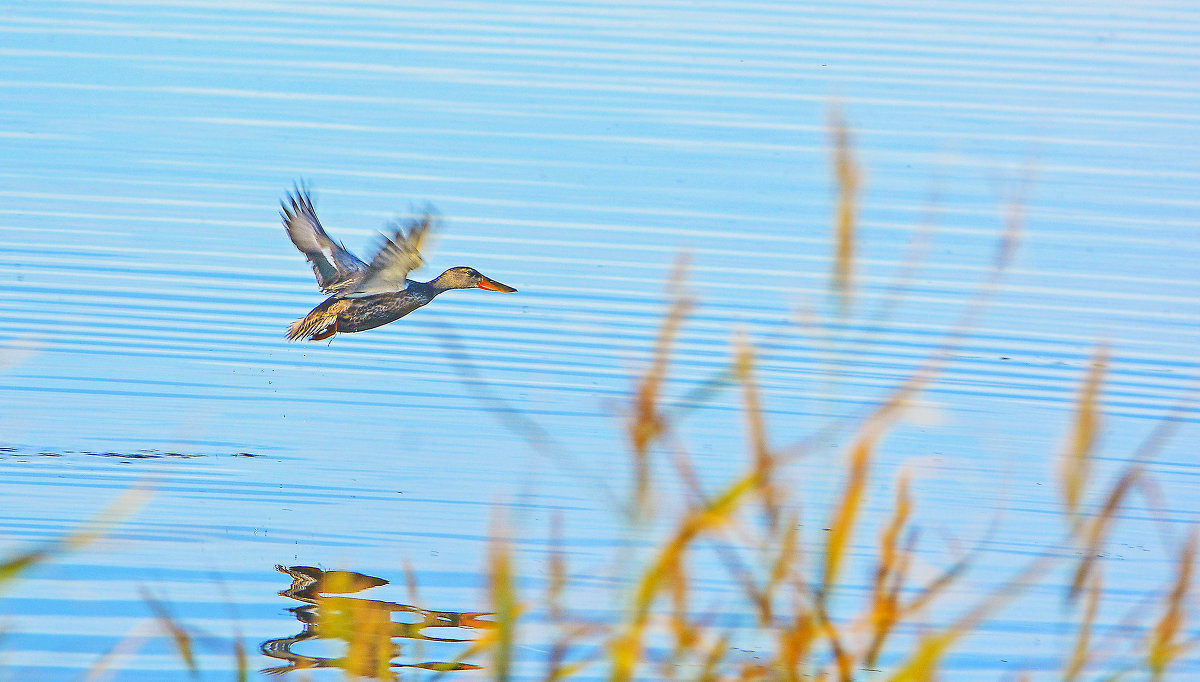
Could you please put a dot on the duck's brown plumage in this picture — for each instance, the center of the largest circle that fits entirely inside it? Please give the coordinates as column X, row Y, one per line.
column 366, row 296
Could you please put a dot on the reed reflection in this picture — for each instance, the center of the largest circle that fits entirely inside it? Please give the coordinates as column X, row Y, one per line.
column 363, row 628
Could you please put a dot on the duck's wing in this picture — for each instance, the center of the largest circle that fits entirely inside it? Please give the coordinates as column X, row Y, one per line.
column 335, row 267
column 398, row 255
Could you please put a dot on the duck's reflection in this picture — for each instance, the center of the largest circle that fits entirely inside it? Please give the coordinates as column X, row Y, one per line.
column 362, row 628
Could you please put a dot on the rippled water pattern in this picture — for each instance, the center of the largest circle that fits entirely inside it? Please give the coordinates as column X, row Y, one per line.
column 574, row 150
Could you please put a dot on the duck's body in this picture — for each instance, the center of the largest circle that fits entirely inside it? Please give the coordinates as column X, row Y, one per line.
column 366, row 296
column 345, row 315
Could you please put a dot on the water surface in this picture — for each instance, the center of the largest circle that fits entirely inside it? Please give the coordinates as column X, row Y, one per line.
column 574, row 151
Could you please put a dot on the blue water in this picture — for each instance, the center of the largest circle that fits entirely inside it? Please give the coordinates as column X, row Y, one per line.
column 574, row 150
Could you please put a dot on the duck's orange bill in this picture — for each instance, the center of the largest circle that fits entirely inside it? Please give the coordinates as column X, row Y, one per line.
column 492, row 285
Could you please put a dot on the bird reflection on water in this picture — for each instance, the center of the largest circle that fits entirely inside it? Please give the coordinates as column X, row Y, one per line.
column 363, row 626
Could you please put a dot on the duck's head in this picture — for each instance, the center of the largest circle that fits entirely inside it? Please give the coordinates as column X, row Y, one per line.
column 469, row 278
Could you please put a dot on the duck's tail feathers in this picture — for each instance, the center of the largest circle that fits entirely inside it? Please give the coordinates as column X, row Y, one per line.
column 319, row 324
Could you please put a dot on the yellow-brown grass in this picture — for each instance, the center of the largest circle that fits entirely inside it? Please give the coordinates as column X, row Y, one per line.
column 847, row 175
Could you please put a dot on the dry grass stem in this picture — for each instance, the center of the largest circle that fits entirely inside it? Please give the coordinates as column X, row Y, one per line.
column 1081, row 652
column 502, row 589
column 125, row 505
column 1075, row 464
column 1164, row 645
column 846, row 173
column 1095, row 529
column 182, row 640
column 764, row 459
column 626, row 647
column 646, row 423
column 889, row 575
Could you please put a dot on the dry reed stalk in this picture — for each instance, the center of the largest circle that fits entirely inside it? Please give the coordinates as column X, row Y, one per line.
column 504, row 604
column 687, row 635
column 709, row 671
column 795, row 643
column 889, row 575
column 1095, row 529
column 782, row 568
column 568, row 634
column 846, row 173
column 922, row 664
column 557, row 568
column 843, row 659
column 129, row 644
column 625, row 649
column 180, row 637
column 89, row 531
column 646, row 423
column 1075, row 462
column 938, row 585
column 667, row 573
column 846, row 512
column 124, row 506
column 240, row 659
column 759, row 597
column 1164, row 647
column 755, row 672
column 556, row 666
column 764, row 459
column 499, row 634
column 918, row 249
column 1081, row 652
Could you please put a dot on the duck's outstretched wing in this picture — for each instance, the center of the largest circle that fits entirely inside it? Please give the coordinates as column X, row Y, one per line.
column 399, row 255
column 335, row 267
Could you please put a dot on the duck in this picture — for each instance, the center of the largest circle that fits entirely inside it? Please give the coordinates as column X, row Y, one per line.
column 366, row 296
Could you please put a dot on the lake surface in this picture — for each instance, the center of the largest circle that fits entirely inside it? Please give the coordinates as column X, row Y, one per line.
column 574, row 151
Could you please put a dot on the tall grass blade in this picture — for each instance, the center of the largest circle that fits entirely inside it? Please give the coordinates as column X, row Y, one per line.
column 936, row 587
column 795, row 642
column 842, row 658
column 1075, row 462
column 1083, row 636
column 182, row 640
column 846, row 173
column 133, row 640
column 764, row 459
column 1164, row 646
column 646, row 423
column 125, row 505
column 557, row 582
column 923, row 665
column 504, row 604
column 241, row 660
column 1096, row 529
column 842, row 525
column 625, row 649
column 709, row 672
column 786, row 564
column 889, row 574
